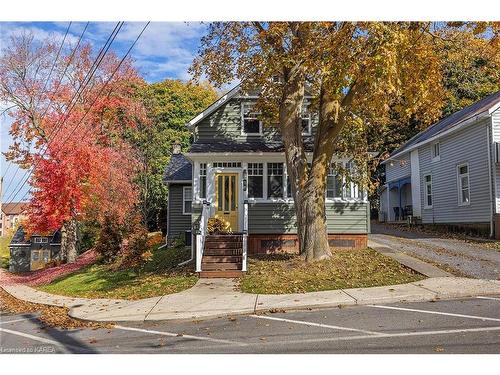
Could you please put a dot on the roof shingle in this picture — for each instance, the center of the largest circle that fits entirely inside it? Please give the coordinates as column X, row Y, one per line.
column 452, row 121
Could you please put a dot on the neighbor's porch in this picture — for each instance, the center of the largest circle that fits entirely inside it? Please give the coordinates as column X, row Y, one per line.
column 399, row 205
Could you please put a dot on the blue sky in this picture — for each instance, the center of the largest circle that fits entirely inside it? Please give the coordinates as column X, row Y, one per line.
column 165, row 50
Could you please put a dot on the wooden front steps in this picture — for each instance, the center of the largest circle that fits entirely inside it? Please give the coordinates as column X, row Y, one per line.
column 222, row 256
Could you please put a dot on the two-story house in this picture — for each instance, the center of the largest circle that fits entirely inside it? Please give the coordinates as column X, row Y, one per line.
column 11, row 216
column 235, row 170
column 449, row 173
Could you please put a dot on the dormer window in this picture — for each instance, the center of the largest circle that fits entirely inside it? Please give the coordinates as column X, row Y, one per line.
column 251, row 125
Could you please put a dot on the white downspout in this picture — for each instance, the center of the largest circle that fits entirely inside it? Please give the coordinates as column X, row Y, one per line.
column 492, row 200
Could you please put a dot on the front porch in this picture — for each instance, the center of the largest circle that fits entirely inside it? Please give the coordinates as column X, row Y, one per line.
column 399, row 200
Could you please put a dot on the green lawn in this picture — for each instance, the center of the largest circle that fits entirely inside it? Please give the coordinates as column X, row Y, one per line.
column 4, row 251
column 346, row 269
column 155, row 278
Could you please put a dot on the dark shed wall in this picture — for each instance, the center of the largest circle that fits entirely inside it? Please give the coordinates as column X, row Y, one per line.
column 178, row 223
column 20, row 258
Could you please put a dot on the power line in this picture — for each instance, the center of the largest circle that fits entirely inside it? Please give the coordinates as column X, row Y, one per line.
column 73, row 100
column 59, row 83
column 102, row 89
column 85, row 82
column 44, row 87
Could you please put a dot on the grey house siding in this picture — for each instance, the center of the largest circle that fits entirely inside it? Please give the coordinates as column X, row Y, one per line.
column 470, row 146
column 178, row 223
column 225, row 123
column 400, row 169
column 272, row 218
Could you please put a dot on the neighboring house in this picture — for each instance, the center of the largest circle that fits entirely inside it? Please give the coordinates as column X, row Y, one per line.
column 235, row 169
column 10, row 217
column 33, row 253
column 449, row 173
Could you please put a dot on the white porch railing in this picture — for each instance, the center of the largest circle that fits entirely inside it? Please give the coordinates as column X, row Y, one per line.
column 245, row 236
column 202, row 232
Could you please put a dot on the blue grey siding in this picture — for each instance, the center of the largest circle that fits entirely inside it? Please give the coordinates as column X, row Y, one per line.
column 400, row 169
column 225, row 123
column 465, row 146
column 178, row 223
column 273, row 218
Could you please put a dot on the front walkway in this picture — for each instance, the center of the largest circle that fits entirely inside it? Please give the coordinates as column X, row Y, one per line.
column 472, row 259
column 211, row 298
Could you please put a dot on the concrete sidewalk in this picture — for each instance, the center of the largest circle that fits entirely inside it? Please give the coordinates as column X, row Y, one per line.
column 211, row 298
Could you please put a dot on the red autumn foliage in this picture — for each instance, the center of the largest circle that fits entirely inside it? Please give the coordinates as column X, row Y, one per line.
column 82, row 167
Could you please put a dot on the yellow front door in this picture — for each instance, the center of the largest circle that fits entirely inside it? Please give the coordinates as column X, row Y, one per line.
column 226, row 198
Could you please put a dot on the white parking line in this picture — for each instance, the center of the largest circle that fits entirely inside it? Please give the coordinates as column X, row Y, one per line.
column 12, row 321
column 491, row 298
column 170, row 334
column 312, row 324
column 483, row 318
column 384, row 335
column 32, row 337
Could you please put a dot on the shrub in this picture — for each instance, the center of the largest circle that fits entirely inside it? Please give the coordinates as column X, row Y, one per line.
column 109, row 242
column 89, row 233
column 216, row 225
column 136, row 248
column 155, row 238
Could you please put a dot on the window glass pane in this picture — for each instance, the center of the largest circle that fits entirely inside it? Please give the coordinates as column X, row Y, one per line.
column 305, row 125
column 255, row 186
column 203, row 187
column 429, row 200
column 203, row 180
column 463, row 169
column 233, row 193
column 465, row 182
column 275, row 180
column 34, row 256
column 251, row 126
column 465, row 196
column 187, row 207
column 251, row 122
column 226, row 193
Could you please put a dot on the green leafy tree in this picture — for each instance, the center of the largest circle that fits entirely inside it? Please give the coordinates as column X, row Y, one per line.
column 169, row 106
column 360, row 74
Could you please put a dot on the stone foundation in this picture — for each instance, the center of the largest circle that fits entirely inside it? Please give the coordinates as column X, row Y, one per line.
column 288, row 243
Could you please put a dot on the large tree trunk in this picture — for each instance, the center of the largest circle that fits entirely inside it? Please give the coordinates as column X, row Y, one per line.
column 315, row 235
column 69, row 241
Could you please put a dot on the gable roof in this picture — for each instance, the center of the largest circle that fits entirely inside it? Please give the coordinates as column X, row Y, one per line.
column 228, row 145
column 20, row 237
column 484, row 106
column 214, row 106
column 178, row 169
column 14, row 208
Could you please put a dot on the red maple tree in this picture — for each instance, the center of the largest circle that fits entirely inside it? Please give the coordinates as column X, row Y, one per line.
column 68, row 126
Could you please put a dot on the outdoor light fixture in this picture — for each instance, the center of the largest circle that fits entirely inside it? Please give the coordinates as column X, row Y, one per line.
column 245, row 175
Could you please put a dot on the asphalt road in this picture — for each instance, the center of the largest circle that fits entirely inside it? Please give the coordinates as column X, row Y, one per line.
column 457, row 326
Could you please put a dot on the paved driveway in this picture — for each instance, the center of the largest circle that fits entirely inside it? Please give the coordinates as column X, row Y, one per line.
column 471, row 259
column 456, row 326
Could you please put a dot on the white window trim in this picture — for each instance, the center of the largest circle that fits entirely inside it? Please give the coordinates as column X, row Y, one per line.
column 184, row 200
column 459, row 184
column 263, row 175
column 243, row 120
column 433, row 155
column 426, row 206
